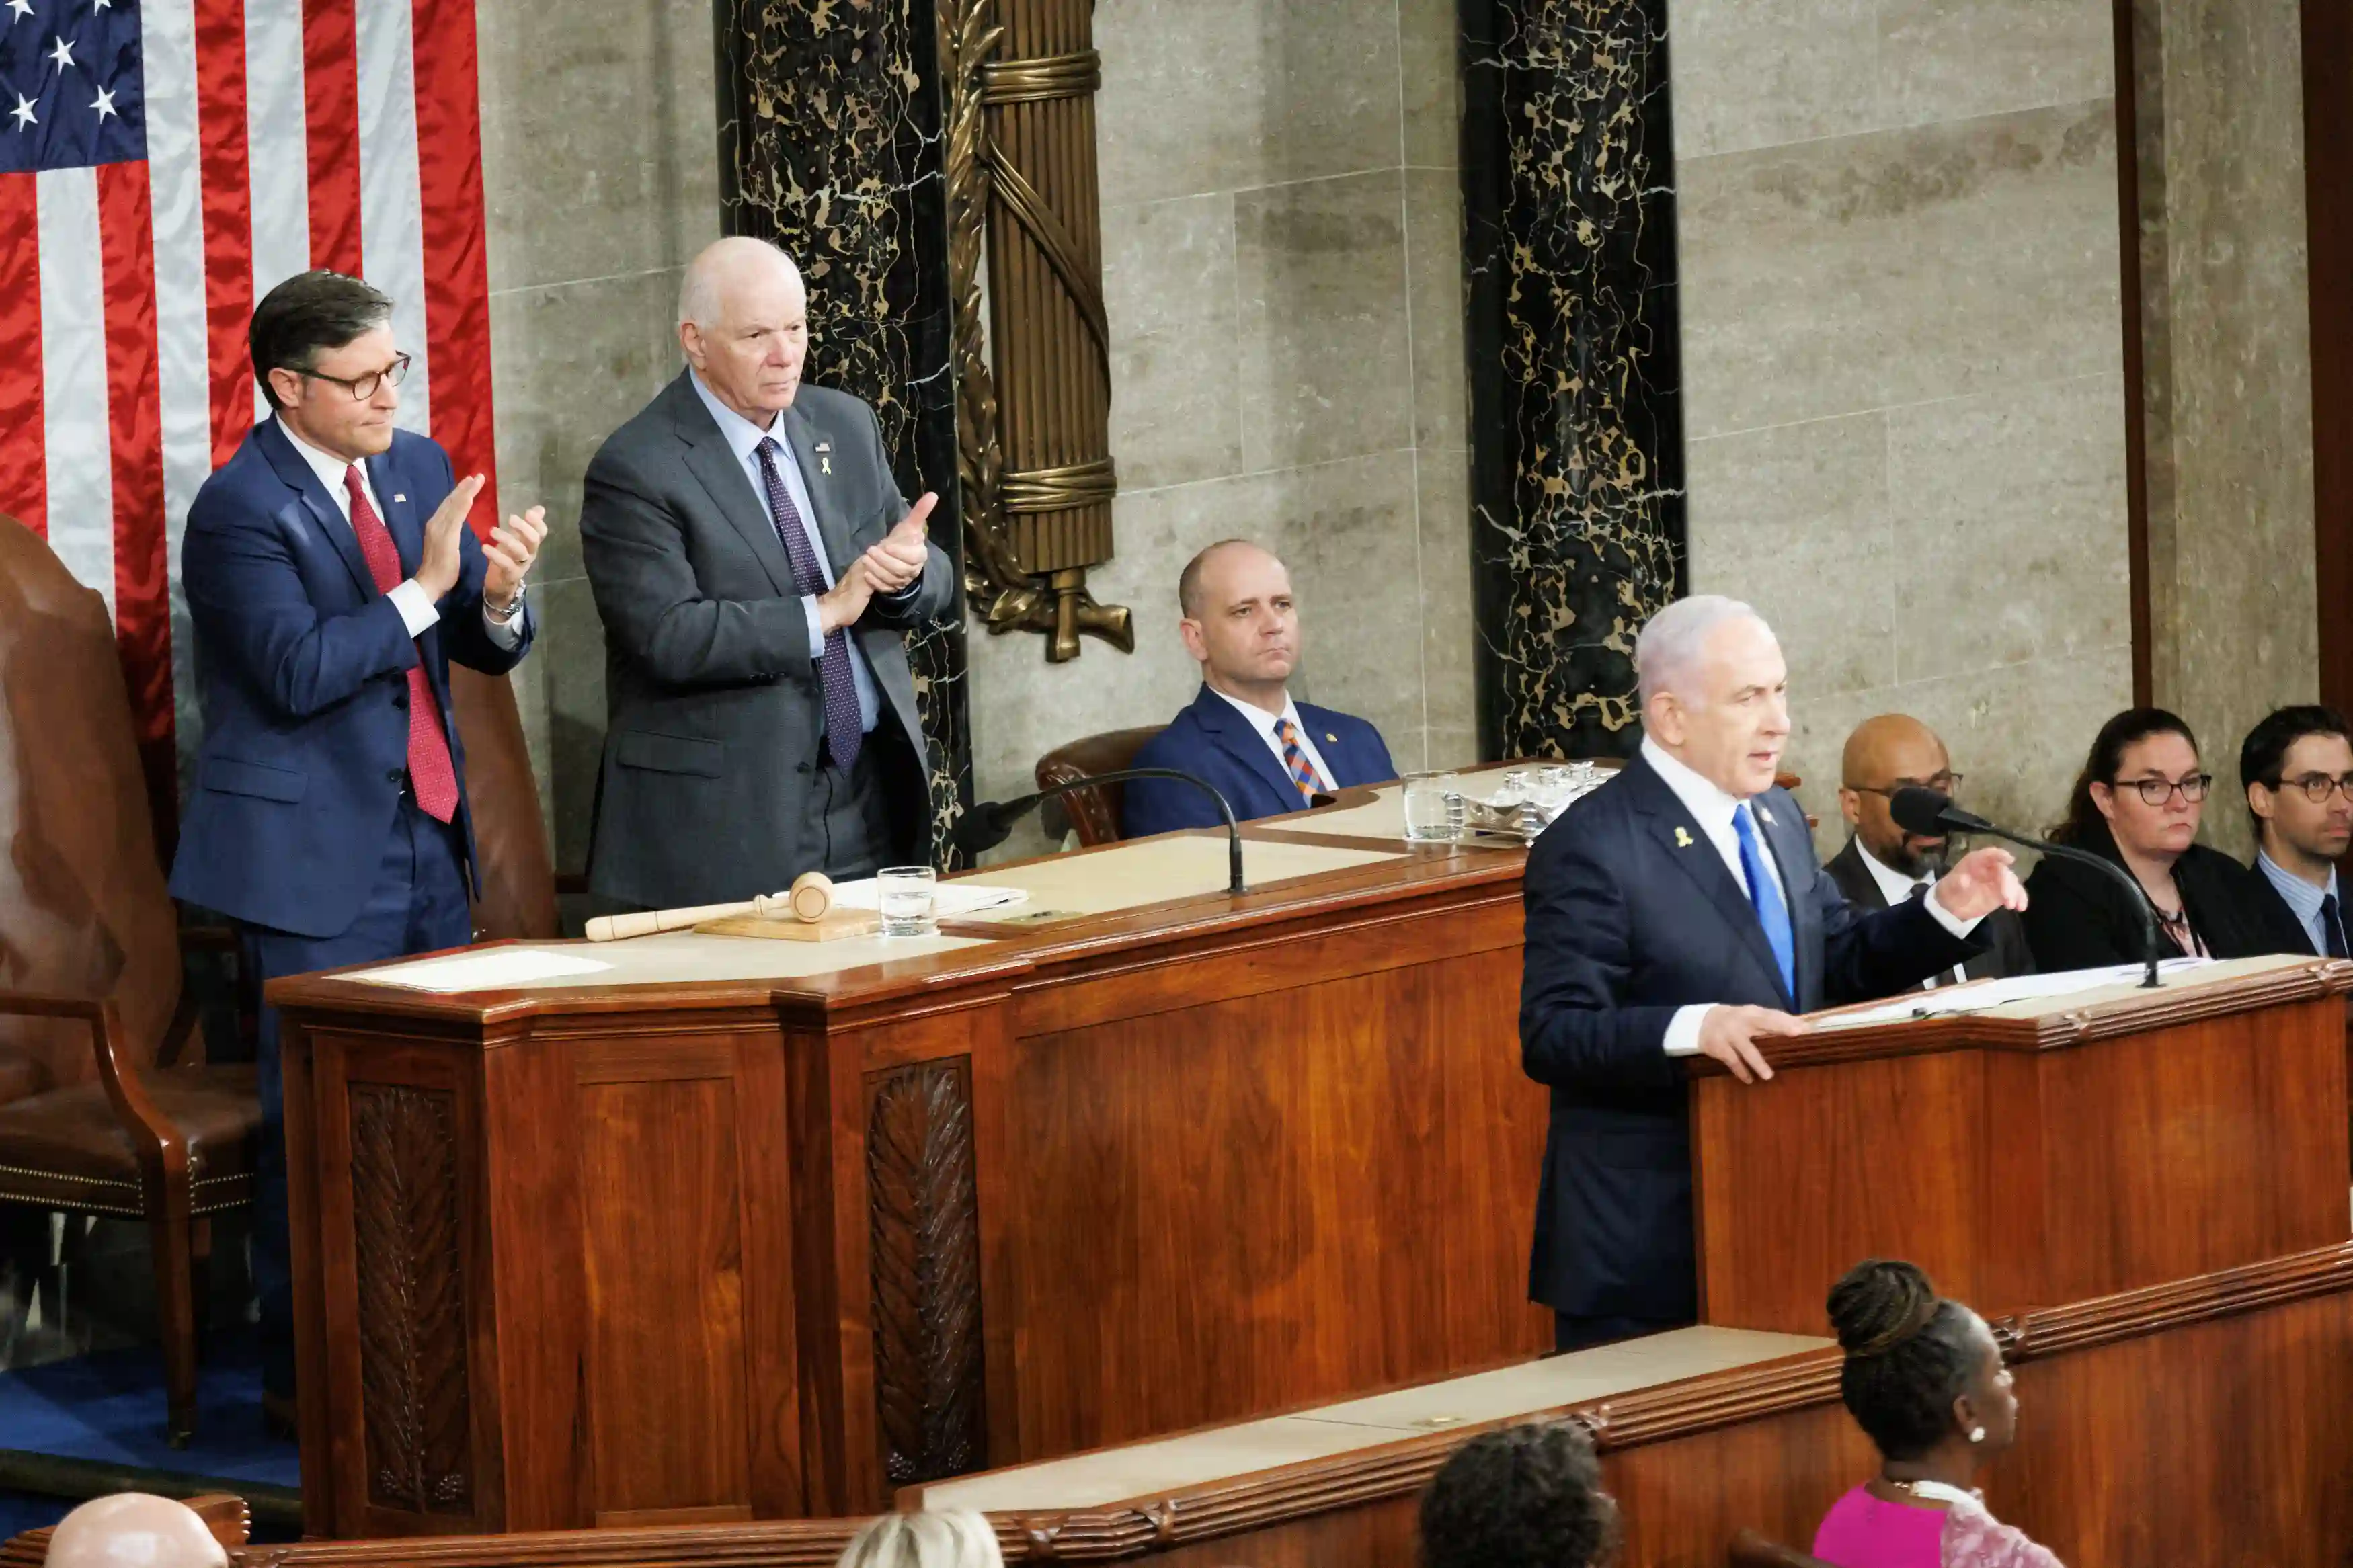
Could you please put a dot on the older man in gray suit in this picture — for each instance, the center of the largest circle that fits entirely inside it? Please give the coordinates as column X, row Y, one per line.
column 756, row 570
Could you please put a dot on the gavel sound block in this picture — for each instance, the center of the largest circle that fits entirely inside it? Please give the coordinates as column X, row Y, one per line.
column 804, row 914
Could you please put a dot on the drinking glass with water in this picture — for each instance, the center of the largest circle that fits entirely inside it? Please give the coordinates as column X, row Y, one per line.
column 907, row 895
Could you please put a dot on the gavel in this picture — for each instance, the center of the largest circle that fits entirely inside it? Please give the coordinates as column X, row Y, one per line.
column 807, row 900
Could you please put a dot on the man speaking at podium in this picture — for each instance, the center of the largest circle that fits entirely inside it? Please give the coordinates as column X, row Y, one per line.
column 1680, row 910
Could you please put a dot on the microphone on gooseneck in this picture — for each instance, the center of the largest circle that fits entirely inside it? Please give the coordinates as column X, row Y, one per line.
column 1932, row 813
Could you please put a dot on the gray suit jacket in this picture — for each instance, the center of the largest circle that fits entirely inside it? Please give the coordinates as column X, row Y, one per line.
column 2005, row 953
column 714, row 708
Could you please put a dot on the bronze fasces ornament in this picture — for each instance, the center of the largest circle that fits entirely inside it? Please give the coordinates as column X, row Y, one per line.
column 1033, row 379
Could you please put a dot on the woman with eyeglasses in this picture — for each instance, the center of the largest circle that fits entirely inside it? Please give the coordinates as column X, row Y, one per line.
column 2137, row 803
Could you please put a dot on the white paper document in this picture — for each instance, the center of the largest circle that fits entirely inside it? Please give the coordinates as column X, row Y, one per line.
column 491, row 970
column 1947, row 1001
column 950, row 899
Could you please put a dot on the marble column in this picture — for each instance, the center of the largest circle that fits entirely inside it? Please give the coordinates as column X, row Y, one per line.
column 829, row 145
column 1577, row 529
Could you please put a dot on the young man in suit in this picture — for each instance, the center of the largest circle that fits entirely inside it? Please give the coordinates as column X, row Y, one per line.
column 2297, row 768
column 757, row 572
column 1266, row 753
column 1881, row 865
column 331, row 580
column 1679, row 911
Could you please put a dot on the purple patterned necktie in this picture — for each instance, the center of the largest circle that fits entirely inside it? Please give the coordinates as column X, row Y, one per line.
column 844, row 733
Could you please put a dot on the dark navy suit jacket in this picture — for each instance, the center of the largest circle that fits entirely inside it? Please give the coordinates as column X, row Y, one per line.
column 303, row 669
column 1631, row 914
column 1213, row 741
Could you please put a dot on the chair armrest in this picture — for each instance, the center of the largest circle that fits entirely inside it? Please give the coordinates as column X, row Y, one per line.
column 163, row 1153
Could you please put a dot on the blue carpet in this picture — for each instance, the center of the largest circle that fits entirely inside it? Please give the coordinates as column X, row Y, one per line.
column 109, row 1407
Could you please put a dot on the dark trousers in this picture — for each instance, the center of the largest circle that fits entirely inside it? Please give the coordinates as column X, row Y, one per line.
column 1570, row 1332
column 850, row 812
column 418, row 905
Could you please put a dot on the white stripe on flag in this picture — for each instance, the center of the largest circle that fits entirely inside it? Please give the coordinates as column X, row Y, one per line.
column 391, row 229
column 278, row 148
column 168, row 52
column 73, row 378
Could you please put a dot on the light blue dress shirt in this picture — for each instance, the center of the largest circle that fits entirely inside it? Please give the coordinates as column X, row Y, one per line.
column 744, row 439
column 2302, row 899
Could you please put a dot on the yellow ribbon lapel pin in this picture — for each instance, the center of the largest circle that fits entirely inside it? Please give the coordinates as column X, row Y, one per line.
column 825, row 458
column 1682, row 839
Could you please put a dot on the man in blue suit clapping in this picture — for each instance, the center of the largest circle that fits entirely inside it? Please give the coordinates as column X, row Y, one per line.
column 1680, row 910
column 332, row 580
column 1265, row 753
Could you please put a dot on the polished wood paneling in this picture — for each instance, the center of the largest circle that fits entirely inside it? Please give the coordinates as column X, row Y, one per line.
column 1378, row 1135
column 2207, row 1421
column 2025, row 1163
column 662, row 1220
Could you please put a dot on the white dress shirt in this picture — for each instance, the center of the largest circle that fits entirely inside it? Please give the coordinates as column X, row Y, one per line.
column 1715, row 810
column 1267, row 727
column 1895, row 887
column 409, row 598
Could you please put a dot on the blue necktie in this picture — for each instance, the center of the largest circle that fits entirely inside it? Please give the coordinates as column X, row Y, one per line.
column 2332, row 929
column 1764, row 897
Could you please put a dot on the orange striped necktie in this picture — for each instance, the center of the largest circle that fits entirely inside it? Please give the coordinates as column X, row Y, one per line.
column 1294, row 757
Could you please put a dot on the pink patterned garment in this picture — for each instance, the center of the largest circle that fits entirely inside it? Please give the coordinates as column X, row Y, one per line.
column 1862, row 1531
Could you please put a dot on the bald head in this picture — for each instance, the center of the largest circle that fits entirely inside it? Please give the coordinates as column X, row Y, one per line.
column 1882, row 755
column 1240, row 623
column 742, row 324
column 726, row 269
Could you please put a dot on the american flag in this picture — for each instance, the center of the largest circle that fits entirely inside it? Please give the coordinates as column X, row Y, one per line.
column 162, row 164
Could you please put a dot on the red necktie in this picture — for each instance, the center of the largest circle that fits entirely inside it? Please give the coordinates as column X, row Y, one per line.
column 431, row 774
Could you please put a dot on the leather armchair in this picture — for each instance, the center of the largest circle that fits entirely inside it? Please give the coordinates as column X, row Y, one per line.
column 1094, row 813
column 97, row 1115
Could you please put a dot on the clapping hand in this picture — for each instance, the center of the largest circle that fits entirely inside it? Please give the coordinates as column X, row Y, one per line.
column 904, row 552
column 513, row 546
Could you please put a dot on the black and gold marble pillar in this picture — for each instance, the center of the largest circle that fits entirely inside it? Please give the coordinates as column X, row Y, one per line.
column 829, row 145
column 1576, row 468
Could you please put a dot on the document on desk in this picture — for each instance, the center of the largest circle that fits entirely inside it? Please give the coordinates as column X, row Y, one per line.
column 1981, row 995
column 493, row 971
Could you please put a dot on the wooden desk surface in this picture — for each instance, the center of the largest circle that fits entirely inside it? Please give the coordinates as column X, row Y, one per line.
column 1173, row 1464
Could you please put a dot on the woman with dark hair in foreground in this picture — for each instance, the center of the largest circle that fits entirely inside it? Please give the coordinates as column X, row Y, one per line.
column 1924, row 1381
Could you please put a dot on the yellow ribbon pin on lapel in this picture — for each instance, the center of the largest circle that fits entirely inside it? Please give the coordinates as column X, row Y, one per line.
column 1682, row 839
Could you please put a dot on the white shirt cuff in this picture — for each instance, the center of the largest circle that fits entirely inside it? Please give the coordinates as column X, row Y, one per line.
column 416, row 607
column 1945, row 918
column 816, row 627
column 1683, row 1029
column 505, row 634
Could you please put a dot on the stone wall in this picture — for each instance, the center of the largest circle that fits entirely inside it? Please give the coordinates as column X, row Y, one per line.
column 1903, row 368
column 1283, row 275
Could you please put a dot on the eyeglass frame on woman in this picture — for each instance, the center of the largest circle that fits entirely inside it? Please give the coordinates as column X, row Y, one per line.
column 2328, row 784
column 363, row 387
column 1945, row 783
column 2165, row 789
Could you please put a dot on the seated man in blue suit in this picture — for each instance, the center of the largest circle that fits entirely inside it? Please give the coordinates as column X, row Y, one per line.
column 331, row 579
column 1680, row 910
column 1265, row 753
